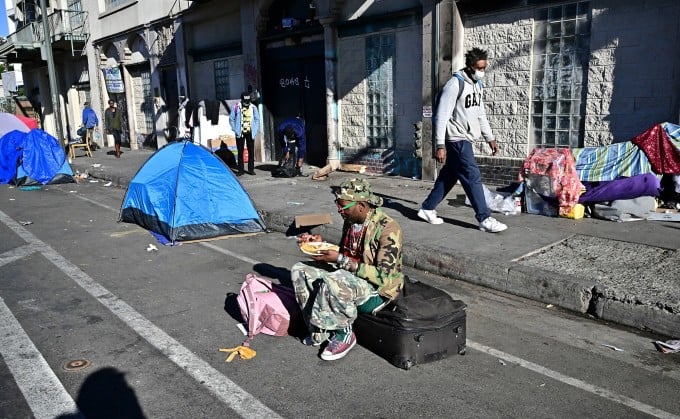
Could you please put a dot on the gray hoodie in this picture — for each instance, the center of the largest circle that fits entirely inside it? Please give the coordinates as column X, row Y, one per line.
column 461, row 117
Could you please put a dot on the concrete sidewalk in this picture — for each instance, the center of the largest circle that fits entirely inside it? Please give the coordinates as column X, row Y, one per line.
column 627, row 273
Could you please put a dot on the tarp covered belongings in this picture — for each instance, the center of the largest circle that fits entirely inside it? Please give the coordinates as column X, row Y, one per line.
column 556, row 166
column 186, row 193
column 663, row 154
column 33, row 158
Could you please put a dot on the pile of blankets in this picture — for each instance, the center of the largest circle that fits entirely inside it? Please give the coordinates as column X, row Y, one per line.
column 621, row 171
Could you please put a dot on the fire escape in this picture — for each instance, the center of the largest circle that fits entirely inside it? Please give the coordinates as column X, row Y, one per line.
column 68, row 31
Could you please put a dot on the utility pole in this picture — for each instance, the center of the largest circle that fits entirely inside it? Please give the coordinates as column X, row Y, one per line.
column 51, row 73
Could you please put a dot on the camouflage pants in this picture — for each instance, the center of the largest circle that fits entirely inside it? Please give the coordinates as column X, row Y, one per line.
column 329, row 298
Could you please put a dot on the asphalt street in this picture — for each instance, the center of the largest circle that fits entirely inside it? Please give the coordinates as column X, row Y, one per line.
column 147, row 325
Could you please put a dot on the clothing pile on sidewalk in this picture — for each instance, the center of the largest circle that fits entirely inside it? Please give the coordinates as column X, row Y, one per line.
column 620, row 182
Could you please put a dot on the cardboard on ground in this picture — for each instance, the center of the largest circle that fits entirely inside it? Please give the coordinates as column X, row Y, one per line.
column 312, row 219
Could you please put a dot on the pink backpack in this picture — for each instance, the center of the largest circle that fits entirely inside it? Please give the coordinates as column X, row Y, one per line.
column 266, row 307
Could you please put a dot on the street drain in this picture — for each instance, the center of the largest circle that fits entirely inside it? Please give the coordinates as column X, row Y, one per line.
column 77, row 365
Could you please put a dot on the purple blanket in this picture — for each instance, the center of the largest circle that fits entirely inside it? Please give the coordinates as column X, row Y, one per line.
column 623, row 188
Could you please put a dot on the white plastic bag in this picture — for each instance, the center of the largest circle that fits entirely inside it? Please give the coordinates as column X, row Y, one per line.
column 497, row 202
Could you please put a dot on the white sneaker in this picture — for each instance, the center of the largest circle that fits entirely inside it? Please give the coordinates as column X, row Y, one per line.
column 430, row 216
column 492, row 225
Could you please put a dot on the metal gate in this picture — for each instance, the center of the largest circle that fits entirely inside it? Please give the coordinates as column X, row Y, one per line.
column 142, row 102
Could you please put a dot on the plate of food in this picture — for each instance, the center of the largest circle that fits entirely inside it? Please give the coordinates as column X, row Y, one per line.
column 315, row 248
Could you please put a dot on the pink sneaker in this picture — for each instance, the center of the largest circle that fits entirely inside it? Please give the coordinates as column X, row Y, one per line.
column 337, row 349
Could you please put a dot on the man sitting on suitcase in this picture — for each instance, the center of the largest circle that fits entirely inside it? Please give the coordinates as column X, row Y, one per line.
column 368, row 275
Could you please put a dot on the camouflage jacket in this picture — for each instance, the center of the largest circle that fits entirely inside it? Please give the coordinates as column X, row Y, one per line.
column 381, row 263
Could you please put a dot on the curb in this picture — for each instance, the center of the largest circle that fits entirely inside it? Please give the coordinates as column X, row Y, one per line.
column 565, row 291
column 575, row 294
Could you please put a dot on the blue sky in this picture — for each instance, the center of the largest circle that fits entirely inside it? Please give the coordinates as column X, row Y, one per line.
column 3, row 20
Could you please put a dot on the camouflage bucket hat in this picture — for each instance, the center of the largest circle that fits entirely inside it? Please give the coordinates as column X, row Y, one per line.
column 358, row 190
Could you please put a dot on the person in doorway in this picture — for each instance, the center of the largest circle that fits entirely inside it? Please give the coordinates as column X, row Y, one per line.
column 114, row 125
column 368, row 275
column 90, row 122
column 245, row 121
column 291, row 133
column 461, row 119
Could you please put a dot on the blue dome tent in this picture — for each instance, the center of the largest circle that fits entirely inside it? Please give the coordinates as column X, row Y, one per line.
column 185, row 193
column 33, row 158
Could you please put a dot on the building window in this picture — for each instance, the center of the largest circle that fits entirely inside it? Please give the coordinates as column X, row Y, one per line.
column 380, row 91
column 221, row 68
column 559, row 69
column 112, row 4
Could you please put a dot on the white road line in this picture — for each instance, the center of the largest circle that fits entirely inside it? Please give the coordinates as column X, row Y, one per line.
column 523, row 363
column 246, row 259
column 581, row 385
column 43, row 391
column 219, row 385
column 16, row 254
column 99, row 204
column 651, row 410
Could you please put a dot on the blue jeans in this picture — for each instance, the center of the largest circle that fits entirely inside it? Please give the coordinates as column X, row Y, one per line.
column 460, row 165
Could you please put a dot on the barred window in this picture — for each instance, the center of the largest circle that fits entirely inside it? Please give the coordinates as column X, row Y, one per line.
column 380, row 91
column 559, row 70
column 221, row 70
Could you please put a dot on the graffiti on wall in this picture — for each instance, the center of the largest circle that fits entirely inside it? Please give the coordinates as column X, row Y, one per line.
column 294, row 82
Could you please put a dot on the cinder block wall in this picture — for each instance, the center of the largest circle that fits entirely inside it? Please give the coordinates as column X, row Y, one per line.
column 406, row 101
column 632, row 81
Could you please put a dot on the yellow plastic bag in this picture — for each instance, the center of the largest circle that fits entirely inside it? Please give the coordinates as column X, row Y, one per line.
column 243, row 352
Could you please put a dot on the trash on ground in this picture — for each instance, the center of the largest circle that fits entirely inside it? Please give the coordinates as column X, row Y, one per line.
column 96, row 165
column 25, row 223
column 108, row 183
column 295, row 203
column 243, row 352
column 500, row 361
column 94, row 181
column 668, row 347
column 612, row 347
column 151, row 248
column 549, row 306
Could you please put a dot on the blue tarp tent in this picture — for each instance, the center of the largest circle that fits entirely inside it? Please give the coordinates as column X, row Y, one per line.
column 33, row 158
column 186, row 193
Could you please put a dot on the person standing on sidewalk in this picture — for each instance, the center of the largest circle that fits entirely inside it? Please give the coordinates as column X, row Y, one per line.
column 461, row 119
column 245, row 121
column 90, row 122
column 368, row 275
column 113, row 125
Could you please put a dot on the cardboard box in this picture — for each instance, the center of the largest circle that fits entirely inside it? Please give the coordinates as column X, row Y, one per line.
column 312, row 220
column 229, row 140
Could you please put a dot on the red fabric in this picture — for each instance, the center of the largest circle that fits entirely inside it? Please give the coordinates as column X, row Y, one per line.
column 559, row 165
column 661, row 152
column 29, row 122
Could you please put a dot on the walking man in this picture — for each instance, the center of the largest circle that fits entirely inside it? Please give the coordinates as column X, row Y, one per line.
column 245, row 121
column 113, row 125
column 461, row 119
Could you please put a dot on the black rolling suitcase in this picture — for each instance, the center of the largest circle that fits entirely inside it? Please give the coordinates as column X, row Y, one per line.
column 423, row 325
